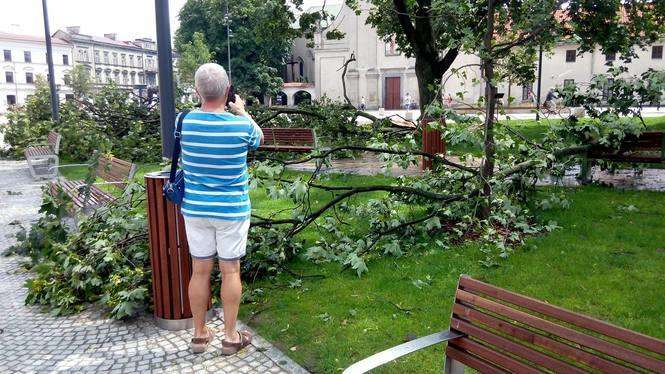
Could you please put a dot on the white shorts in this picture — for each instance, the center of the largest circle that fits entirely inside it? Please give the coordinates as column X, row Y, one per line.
column 208, row 238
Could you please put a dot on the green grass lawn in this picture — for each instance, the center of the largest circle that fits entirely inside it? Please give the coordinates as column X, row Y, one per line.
column 604, row 261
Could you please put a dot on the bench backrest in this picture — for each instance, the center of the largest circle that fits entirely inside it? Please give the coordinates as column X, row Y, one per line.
column 115, row 170
column 289, row 136
column 508, row 332
column 649, row 147
column 53, row 139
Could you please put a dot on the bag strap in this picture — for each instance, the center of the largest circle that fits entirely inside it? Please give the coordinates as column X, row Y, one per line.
column 176, row 146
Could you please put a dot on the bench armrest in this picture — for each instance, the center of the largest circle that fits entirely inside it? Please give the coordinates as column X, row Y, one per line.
column 398, row 351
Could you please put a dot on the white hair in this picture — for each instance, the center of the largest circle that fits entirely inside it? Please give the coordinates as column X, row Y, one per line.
column 211, row 81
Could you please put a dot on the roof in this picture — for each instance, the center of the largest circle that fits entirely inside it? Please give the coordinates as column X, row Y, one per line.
column 30, row 38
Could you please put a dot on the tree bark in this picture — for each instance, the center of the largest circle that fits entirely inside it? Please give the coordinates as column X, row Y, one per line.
column 487, row 169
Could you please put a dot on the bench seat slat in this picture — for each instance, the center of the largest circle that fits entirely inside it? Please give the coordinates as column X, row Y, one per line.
column 510, row 346
column 564, row 332
column 476, row 316
column 473, row 361
column 623, row 334
column 493, row 355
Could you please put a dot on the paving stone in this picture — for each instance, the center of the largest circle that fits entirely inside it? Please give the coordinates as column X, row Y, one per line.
column 33, row 341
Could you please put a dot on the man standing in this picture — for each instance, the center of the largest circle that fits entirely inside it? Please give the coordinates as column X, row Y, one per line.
column 216, row 205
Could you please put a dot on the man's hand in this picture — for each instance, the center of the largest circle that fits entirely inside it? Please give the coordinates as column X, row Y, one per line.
column 238, row 107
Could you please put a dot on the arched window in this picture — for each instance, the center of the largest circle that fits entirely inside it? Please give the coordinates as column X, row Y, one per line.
column 281, row 98
column 302, row 97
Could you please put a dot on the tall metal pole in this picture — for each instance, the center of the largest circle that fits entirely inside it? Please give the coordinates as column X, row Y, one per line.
column 540, row 77
column 165, row 64
column 49, row 60
column 228, row 39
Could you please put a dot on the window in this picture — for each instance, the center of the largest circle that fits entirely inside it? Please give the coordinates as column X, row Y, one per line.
column 123, row 59
column 116, row 77
column 98, row 76
column 106, row 57
column 610, row 56
column 124, row 77
column 568, row 83
column 97, row 57
column 27, row 56
column 391, row 47
column 527, row 91
column 83, row 55
column 115, row 58
column 131, row 60
column 657, row 52
column 606, row 89
column 139, row 61
column 69, row 97
column 148, row 62
column 8, row 54
column 67, row 79
column 65, row 59
column 9, row 77
column 11, row 100
column 133, row 78
column 141, row 79
column 29, row 78
column 571, row 55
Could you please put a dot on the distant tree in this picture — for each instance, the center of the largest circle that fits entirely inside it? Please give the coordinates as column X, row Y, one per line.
column 192, row 55
column 261, row 38
column 80, row 81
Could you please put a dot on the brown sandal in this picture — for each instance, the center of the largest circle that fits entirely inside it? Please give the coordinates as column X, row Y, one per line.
column 229, row 348
column 199, row 345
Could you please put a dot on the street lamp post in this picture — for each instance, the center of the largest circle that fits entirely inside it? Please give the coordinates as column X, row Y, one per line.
column 165, row 69
column 540, row 76
column 49, row 60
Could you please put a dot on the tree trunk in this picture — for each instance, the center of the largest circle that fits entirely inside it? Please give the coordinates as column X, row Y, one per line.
column 428, row 76
column 487, row 169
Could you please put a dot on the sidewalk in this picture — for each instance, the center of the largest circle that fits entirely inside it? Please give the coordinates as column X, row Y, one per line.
column 33, row 341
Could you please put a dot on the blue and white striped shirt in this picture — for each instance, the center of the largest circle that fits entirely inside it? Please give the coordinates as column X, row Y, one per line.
column 214, row 160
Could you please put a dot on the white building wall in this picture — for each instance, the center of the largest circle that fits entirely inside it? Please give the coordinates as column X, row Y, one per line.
column 21, row 88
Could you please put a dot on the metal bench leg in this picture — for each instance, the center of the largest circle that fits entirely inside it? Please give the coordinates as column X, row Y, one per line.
column 31, row 168
column 453, row 367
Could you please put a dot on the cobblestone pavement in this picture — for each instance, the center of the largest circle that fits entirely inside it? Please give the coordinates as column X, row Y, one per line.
column 367, row 164
column 35, row 342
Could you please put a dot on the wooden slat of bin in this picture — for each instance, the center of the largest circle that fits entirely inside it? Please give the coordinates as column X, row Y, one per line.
column 167, row 311
column 172, row 254
column 153, row 235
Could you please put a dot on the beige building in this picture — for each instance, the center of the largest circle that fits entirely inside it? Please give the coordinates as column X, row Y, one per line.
column 383, row 76
column 129, row 64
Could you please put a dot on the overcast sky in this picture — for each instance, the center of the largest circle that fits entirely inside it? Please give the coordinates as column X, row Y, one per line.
column 130, row 19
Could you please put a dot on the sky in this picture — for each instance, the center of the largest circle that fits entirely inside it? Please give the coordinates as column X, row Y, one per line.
column 129, row 19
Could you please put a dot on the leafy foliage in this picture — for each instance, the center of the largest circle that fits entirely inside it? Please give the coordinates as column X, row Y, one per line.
column 261, row 38
column 192, row 55
column 112, row 120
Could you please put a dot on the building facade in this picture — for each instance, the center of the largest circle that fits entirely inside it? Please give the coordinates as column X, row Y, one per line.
column 23, row 60
column 382, row 77
column 130, row 64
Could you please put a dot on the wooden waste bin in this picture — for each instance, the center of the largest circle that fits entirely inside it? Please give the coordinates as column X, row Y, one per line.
column 432, row 143
column 169, row 258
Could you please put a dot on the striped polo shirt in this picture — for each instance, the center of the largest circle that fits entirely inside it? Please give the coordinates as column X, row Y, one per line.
column 214, row 160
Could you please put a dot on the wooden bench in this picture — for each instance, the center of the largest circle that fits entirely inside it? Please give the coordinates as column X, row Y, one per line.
column 299, row 140
column 648, row 148
column 113, row 171
column 493, row 330
column 46, row 154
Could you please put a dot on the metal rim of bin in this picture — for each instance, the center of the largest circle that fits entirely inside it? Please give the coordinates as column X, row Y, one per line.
column 161, row 241
column 180, row 324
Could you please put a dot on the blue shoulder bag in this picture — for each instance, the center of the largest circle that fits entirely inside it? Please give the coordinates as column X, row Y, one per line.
column 174, row 189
